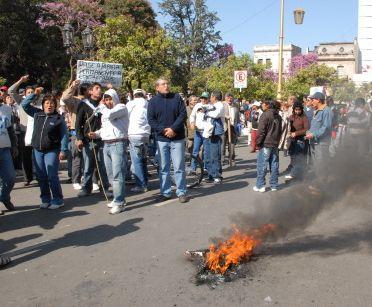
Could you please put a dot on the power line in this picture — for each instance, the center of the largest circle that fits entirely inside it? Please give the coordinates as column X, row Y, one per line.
column 251, row 17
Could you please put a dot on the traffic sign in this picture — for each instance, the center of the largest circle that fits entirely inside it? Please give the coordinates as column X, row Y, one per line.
column 240, row 79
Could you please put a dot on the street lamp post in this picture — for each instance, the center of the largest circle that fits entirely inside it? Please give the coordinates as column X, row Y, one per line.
column 299, row 18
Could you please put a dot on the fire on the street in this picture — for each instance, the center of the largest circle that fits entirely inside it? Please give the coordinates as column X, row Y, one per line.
column 239, row 247
column 224, row 261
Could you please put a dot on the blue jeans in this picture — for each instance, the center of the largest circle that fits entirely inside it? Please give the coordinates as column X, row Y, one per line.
column 46, row 166
column 138, row 154
column 90, row 166
column 174, row 150
column 7, row 174
column 267, row 156
column 115, row 160
column 213, row 156
column 297, row 151
column 198, row 142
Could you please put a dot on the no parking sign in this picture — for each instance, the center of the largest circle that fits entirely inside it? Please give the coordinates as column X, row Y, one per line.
column 240, row 79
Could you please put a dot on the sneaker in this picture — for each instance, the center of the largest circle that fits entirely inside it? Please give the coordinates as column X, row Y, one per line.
column 54, row 206
column 261, row 190
column 110, row 205
column 208, row 179
column 274, row 189
column 138, row 190
column 116, row 209
column 77, row 186
column 183, row 199
column 27, row 183
column 288, row 177
column 83, row 193
column 44, row 206
column 217, row 181
column 9, row 205
column 95, row 187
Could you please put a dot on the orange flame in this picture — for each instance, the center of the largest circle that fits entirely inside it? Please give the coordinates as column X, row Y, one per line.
column 238, row 247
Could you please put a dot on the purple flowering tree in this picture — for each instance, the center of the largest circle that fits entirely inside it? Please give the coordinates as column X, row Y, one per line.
column 222, row 52
column 270, row 75
column 301, row 61
column 80, row 13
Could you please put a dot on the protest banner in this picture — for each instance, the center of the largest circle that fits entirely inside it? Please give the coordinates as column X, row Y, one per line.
column 103, row 73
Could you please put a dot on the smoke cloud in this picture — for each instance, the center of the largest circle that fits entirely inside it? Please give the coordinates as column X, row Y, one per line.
column 345, row 178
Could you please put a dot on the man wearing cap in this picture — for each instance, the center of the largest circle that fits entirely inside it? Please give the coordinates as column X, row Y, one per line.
column 319, row 133
column 197, row 122
column 167, row 115
column 254, row 118
column 139, row 134
column 231, row 118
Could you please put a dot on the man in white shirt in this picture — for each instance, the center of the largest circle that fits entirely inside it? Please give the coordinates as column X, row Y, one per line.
column 197, row 123
column 213, row 131
column 139, row 134
column 114, row 132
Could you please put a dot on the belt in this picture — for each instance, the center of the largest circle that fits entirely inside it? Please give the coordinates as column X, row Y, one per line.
column 113, row 141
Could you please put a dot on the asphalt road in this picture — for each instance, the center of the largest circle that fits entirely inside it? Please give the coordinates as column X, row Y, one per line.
column 82, row 256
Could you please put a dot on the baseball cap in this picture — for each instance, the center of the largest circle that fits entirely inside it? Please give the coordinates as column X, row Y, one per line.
column 139, row 91
column 4, row 88
column 318, row 96
column 257, row 103
column 205, row 95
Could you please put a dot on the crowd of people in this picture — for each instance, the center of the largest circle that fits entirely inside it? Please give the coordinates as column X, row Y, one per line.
column 96, row 131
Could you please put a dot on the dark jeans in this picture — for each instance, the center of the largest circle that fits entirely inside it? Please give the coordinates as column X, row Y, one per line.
column 90, row 165
column 213, row 152
column 76, row 161
column 7, row 174
column 25, row 153
column 47, row 165
column 298, row 152
column 267, row 156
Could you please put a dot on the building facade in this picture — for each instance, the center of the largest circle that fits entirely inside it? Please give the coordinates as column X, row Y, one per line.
column 343, row 57
column 269, row 55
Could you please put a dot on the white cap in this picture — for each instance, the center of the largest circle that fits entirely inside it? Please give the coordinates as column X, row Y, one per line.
column 257, row 103
column 139, row 91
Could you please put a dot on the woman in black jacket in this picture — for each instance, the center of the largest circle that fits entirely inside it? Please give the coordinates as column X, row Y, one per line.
column 49, row 142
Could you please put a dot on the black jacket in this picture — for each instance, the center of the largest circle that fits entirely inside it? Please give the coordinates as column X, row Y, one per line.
column 269, row 129
column 85, row 122
column 167, row 111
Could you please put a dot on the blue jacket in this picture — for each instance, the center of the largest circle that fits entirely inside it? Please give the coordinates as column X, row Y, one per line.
column 167, row 111
column 50, row 130
column 321, row 126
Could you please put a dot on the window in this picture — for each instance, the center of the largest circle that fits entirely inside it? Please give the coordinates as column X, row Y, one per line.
column 324, row 50
column 341, row 70
column 260, row 61
column 342, row 50
column 268, row 63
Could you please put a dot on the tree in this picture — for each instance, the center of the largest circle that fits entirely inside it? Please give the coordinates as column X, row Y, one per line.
column 27, row 49
column 343, row 90
column 192, row 27
column 305, row 78
column 365, row 91
column 144, row 54
column 221, row 77
column 140, row 10
column 302, row 61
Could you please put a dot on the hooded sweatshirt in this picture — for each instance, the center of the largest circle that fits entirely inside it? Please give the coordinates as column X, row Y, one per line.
column 5, row 124
column 115, row 121
column 138, row 125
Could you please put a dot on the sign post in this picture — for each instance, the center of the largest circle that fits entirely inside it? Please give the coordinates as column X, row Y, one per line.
column 103, row 73
column 240, row 79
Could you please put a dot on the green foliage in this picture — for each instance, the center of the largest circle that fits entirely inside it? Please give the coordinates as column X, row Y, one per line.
column 2, row 81
column 140, row 10
column 312, row 75
column 222, row 78
column 25, row 48
column 365, row 91
column 143, row 53
column 343, row 90
column 192, row 27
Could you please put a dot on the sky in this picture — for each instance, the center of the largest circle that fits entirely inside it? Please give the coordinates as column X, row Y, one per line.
column 246, row 23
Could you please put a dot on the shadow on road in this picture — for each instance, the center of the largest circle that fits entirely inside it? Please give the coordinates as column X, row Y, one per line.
column 84, row 237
